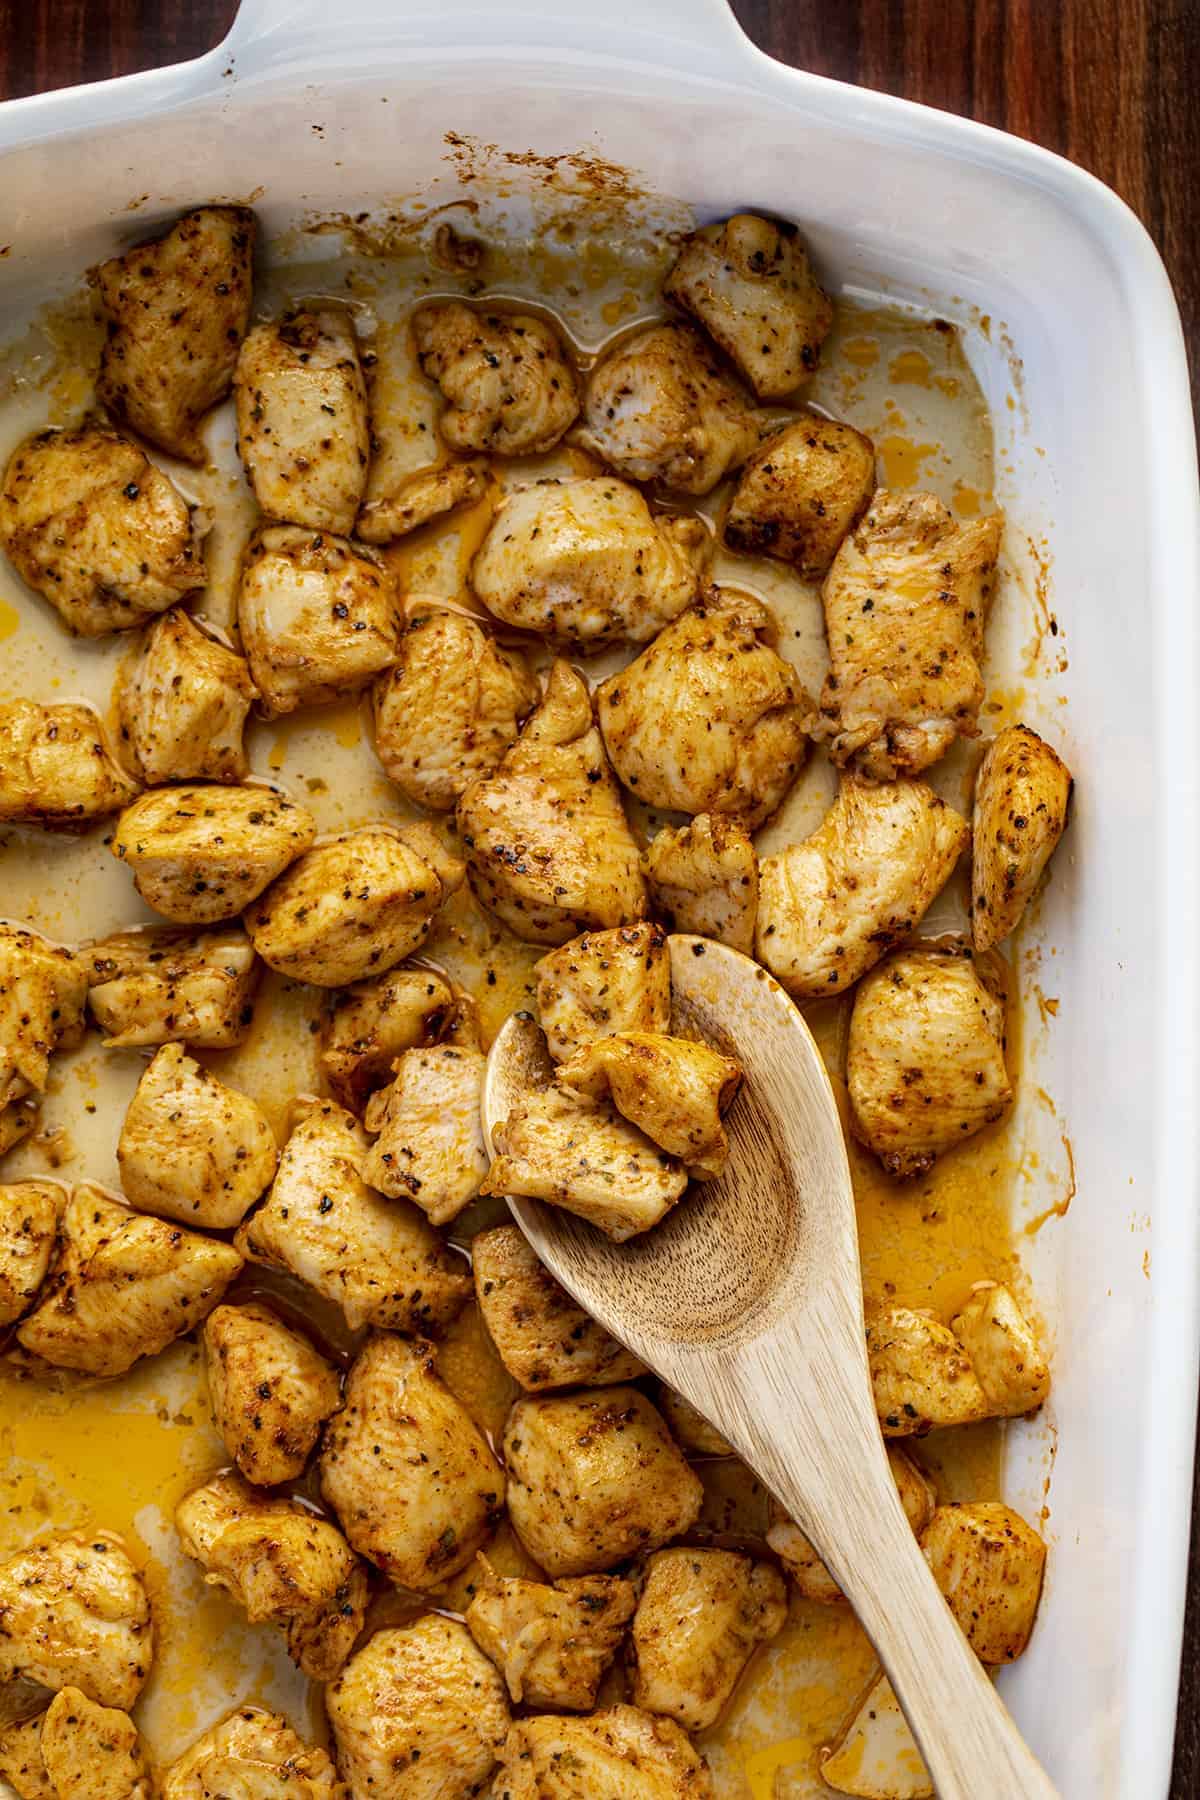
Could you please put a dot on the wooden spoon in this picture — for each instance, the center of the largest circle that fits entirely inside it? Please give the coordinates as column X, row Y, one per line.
column 747, row 1300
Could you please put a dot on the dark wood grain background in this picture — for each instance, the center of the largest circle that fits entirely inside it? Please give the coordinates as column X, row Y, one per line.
column 1113, row 84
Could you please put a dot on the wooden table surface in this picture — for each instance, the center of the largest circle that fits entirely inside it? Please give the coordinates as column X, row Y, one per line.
column 1113, row 84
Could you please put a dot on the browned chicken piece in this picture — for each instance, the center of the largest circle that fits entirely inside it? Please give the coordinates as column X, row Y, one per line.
column 74, row 1613
column 159, row 987
column 874, row 1755
column 709, row 718
column 252, row 1755
column 690, row 1429
column 1008, row 1361
column 800, row 494
column 671, row 1088
column 270, row 1389
column 125, row 1286
column 1022, row 791
column 418, row 1714
column 830, row 907
column 21, row 1764
column 183, row 705
column 548, row 845
column 541, row 1336
column 661, row 408
column 586, row 564
column 921, row 1374
column 302, row 426
column 989, row 1564
column 282, row 1564
column 602, row 982
column 551, row 1644
column 621, row 1753
column 77, row 1750
column 396, row 505
column 97, row 530
column 202, row 854
column 748, row 282
column 703, row 878
column 379, row 1260
column 509, row 386
column 794, row 1550
column 176, row 310
column 57, row 768
column 43, row 988
column 906, row 602
column 451, row 707
column 430, row 1147
column 354, row 906
column 29, row 1216
column 595, row 1478
column 701, row 1616
column 583, row 1156
column 405, row 1468
column 17, row 1120
column 191, row 1148
column 925, row 1064
column 318, row 616
column 374, row 1022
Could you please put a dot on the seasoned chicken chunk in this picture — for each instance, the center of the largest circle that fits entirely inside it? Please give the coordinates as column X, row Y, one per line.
column 801, row 1561
column 922, row 1376
column 800, row 494
column 89, row 1752
column 192, row 1148
column 671, row 1088
column 302, row 427
column 1008, row 1361
column 709, row 718
column 703, row 877
column 661, row 408
column 989, row 1564
column 875, row 1755
column 829, row 907
column 379, row 1260
column 701, row 1615
column 374, row 1022
column 430, row 1146
column 405, row 1468
column 57, row 768
column 318, row 616
column 690, row 1429
column 21, row 1764
column 586, row 564
column 396, row 504
column 176, row 310
column 29, row 1216
column 1022, row 791
column 74, row 1613
column 906, row 602
column 280, row 1562
column 595, row 1478
column 542, row 1337
column 602, row 982
column 270, row 1389
column 252, row 1755
column 549, row 848
column 159, row 987
column 621, row 1753
column 125, row 1286
column 506, row 377
column 551, row 1644
column 202, row 854
column 17, row 1120
column 418, row 1714
column 43, row 987
column 451, row 707
column 183, row 705
column 748, row 283
column 97, row 530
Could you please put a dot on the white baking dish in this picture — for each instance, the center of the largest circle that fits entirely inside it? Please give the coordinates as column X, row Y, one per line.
column 313, row 108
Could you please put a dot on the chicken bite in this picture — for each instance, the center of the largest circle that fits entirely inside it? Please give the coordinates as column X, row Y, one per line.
column 125, row 1286
column 595, row 1478
column 921, row 1375
column 252, row 1753
column 1008, row 1361
column 506, row 377
column 74, row 1613
column 57, row 768
column 29, row 1216
column 671, row 1088
column 794, row 1550
column 396, row 504
column 418, row 1714
column 661, row 408
column 270, row 1390
column 318, row 616
column 831, row 906
column 159, row 987
column 176, row 310
column 701, row 1615
column 379, row 1260
column 21, row 1764
column 800, row 494
column 875, row 1755
column 192, row 1148
column 302, row 426
column 17, row 1119
column 1022, row 790
column 703, row 877
column 451, row 707
column 183, row 705
column 989, row 1564
column 541, row 1336
column 374, row 1022
column 586, row 564
column 604, row 982
column 429, row 1148
column 549, row 848
column 202, row 854
column 906, row 601
column 77, row 1750
column 43, row 987
column 748, row 282
column 622, row 1753
column 406, row 1469
column 551, row 1644
column 709, row 718
column 690, row 1429
column 90, row 523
